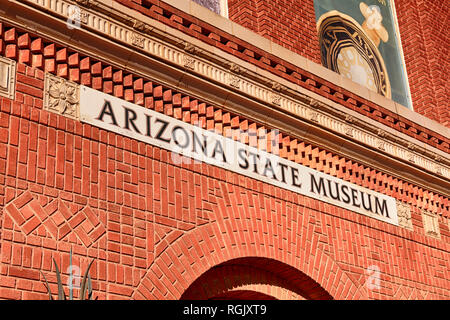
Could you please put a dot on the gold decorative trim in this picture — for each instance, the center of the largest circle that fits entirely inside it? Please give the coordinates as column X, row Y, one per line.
column 355, row 34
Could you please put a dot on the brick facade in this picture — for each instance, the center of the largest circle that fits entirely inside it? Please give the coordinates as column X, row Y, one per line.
column 156, row 228
column 291, row 24
column 212, row 35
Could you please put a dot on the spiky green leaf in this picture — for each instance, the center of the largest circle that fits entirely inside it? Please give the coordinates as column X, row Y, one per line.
column 48, row 287
column 61, row 294
column 83, row 283
column 89, row 288
column 70, row 277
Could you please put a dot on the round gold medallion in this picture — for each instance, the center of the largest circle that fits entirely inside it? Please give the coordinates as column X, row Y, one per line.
column 349, row 50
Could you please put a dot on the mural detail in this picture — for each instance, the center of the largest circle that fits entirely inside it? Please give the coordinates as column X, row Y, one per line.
column 358, row 40
column 372, row 26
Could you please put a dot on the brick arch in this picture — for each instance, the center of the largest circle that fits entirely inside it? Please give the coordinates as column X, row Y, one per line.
column 226, row 238
column 252, row 278
column 243, row 295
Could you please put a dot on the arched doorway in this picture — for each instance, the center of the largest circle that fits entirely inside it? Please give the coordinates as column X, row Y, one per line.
column 255, row 278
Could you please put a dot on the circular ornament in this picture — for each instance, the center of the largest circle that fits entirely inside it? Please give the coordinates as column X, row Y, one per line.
column 348, row 50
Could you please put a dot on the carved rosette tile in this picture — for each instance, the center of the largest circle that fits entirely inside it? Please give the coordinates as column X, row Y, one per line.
column 189, row 62
column 275, row 99
column 235, row 81
column 348, row 130
column 313, row 115
column 381, row 144
column 404, row 215
column 62, row 96
column 430, row 224
column 7, row 77
column 137, row 40
column 84, row 17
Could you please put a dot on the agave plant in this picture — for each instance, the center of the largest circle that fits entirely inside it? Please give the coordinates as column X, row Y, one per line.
column 86, row 284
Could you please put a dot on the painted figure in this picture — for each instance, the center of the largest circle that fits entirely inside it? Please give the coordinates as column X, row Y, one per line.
column 372, row 24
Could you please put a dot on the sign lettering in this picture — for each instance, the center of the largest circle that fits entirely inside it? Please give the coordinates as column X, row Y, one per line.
column 116, row 115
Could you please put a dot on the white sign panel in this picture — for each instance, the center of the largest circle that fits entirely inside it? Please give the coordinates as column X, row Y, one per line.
column 116, row 115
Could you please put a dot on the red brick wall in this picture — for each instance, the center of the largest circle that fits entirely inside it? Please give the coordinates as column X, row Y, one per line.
column 422, row 29
column 154, row 226
column 291, row 24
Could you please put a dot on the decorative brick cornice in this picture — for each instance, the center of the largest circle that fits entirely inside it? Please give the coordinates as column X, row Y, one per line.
column 227, row 42
column 140, row 38
column 211, row 35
